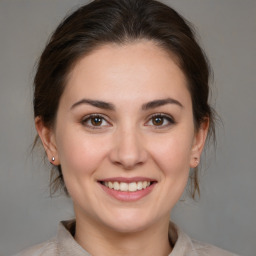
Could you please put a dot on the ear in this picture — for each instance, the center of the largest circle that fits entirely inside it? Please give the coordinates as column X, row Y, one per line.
column 48, row 140
column 198, row 143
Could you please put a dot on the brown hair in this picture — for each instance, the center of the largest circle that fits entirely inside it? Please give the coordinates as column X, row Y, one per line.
column 120, row 22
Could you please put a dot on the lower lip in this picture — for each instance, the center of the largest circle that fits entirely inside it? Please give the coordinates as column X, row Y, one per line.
column 128, row 196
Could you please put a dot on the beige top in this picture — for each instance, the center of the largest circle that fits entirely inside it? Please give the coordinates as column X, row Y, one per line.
column 64, row 244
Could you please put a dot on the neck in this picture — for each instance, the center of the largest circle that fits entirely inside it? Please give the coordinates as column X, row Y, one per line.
column 150, row 241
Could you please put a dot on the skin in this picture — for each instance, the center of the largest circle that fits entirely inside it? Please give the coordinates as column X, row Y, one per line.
column 126, row 142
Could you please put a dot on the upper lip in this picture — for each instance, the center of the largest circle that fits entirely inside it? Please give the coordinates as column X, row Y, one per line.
column 127, row 180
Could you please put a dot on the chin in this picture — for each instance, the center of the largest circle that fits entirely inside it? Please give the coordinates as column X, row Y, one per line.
column 128, row 227
column 129, row 222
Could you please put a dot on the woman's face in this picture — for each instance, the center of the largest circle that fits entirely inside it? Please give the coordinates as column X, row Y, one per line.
column 125, row 137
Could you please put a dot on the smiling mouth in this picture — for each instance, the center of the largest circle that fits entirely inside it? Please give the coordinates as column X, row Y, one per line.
column 127, row 187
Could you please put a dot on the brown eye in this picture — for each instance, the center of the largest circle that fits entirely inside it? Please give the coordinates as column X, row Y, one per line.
column 96, row 121
column 158, row 120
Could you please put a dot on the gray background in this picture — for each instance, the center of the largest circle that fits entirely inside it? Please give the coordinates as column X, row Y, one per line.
column 225, row 214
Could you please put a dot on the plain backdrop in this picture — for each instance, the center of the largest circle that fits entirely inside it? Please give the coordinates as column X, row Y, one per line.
column 226, row 212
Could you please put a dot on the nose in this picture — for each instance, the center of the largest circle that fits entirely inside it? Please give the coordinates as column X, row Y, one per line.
column 128, row 149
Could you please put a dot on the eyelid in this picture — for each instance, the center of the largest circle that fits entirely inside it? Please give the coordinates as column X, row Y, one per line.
column 93, row 115
column 168, row 117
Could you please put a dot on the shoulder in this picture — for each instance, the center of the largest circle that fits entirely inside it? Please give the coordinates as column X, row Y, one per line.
column 185, row 246
column 63, row 244
column 204, row 249
column 48, row 248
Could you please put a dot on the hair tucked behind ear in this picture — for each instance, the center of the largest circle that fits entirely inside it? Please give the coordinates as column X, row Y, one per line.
column 119, row 22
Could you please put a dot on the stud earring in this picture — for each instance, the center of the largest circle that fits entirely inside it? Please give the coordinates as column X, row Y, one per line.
column 196, row 161
column 53, row 158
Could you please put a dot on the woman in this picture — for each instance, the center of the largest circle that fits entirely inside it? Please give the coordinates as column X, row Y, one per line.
column 121, row 108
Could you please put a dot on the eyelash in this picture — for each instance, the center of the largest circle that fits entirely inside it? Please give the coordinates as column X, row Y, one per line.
column 90, row 117
column 165, row 118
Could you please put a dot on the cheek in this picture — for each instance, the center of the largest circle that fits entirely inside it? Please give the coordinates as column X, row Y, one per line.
column 80, row 154
column 172, row 153
column 80, row 157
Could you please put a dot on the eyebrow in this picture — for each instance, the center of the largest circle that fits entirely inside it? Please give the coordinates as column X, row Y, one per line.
column 159, row 103
column 110, row 106
column 95, row 103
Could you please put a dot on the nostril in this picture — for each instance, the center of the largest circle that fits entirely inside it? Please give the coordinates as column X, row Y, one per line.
column 128, row 151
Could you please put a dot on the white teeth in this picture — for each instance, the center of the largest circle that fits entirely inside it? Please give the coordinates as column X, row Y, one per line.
column 116, row 185
column 110, row 185
column 123, row 186
column 139, row 185
column 132, row 187
column 144, row 184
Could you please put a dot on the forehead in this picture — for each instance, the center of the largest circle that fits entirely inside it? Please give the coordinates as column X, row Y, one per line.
column 135, row 69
